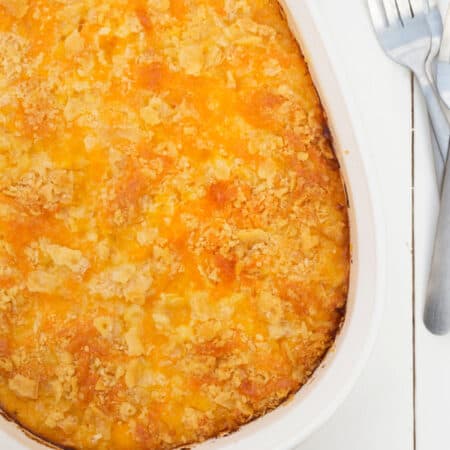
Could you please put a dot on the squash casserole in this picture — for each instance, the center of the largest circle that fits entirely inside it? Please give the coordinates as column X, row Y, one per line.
column 174, row 240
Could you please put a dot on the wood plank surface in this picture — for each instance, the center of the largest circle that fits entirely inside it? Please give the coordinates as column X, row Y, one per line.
column 432, row 353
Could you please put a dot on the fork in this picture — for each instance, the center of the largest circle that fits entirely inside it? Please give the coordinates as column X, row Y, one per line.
column 435, row 24
column 403, row 30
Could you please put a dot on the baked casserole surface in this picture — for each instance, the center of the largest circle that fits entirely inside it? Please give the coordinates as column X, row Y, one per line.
column 174, row 242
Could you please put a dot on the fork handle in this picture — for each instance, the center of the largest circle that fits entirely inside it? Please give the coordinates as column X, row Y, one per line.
column 439, row 123
column 438, row 163
column 437, row 307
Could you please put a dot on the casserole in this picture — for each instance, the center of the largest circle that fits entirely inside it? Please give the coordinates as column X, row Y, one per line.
column 315, row 394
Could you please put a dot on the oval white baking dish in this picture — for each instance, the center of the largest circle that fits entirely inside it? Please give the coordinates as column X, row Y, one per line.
column 291, row 423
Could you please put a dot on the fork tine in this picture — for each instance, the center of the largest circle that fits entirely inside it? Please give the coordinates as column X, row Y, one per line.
column 418, row 6
column 404, row 8
column 391, row 12
column 377, row 14
column 432, row 4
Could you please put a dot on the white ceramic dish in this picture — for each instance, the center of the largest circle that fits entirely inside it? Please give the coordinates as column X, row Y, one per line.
column 289, row 424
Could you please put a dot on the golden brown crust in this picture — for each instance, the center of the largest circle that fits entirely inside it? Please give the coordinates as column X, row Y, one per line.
column 174, row 248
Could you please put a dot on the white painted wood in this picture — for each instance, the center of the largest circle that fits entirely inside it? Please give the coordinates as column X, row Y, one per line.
column 379, row 412
column 432, row 353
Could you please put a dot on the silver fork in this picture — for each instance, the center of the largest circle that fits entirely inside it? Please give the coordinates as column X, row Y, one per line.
column 404, row 33
column 403, row 30
column 435, row 24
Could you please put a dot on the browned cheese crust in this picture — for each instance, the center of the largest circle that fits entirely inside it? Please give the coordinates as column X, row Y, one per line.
column 174, row 241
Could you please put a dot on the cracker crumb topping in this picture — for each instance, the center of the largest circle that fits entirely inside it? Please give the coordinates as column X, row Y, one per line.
column 174, row 240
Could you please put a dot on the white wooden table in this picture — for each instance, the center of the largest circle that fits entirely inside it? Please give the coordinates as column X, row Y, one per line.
column 402, row 400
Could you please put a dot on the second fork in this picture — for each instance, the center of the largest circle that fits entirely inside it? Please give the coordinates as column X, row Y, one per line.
column 403, row 31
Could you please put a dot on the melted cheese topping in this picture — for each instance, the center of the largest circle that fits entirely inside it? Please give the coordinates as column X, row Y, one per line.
column 174, row 248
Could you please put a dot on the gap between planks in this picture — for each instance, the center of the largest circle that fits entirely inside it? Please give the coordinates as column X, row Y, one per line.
column 413, row 265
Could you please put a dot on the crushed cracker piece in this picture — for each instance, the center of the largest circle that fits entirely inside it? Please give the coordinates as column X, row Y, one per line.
column 24, row 386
